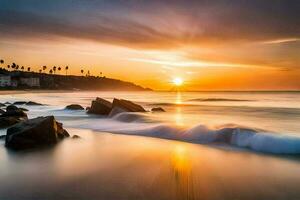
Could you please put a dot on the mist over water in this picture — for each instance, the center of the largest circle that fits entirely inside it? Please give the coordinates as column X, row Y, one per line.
column 262, row 121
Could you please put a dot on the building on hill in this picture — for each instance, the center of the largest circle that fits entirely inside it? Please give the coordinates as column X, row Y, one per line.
column 5, row 80
column 31, row 82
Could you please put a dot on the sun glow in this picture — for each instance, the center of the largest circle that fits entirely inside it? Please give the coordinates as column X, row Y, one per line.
column 178, row 81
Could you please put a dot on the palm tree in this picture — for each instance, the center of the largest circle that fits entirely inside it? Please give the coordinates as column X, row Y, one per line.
column 66, row 68
column 50, row 71
column 1, row 61
column 59, row 68
column 54, row 69
column 44, row 67
column 28, row 69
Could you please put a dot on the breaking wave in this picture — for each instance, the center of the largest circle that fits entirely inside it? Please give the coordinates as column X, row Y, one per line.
column 230, row 134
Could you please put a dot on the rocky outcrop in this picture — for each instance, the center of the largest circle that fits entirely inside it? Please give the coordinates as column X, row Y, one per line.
column 2, row 105
column 74, row 107
column 37, row 132
column 12, row 116
column 158, row 109
column 100, row 106
column 127, row 106
column 1, row 111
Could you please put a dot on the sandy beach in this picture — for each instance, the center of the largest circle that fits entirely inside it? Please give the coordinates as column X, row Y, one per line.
column 112, row 166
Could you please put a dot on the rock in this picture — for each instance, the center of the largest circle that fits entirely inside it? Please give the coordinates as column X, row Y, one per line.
column 158, row 109
column 12, row 116
column 100, row 106
column 2, row 105
column 7, row 103
column 1, row 111
column 9, row 121
column 24, row 109
column 32, row 103
column 128, row 106
column 19, row 102
column 74, row 107
column 14, row 111
column 76, row 137
column 115, row 111
column 37, row 132
column 2, row 137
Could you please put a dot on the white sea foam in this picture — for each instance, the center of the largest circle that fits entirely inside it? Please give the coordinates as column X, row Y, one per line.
column 238, row 136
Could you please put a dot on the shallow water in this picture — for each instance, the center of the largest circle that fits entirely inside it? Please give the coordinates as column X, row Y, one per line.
column 113, row 166
column 102, row 165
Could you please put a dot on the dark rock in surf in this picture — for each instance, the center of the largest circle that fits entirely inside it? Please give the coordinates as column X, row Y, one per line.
column 76, row 137
column 12, row 116
column 19, row 102
column 2, row 105
column 7, row 103
column 127, row 106
column 74, row 107
column 37, row 132
column 1, row 111
column 32, row 103
column 100, row 106
column 158, row 109
column 24, row 109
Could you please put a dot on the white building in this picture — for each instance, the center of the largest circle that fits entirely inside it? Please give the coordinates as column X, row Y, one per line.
column 31, row 82
column 5, row 80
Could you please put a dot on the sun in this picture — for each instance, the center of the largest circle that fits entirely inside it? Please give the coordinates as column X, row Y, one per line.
column 177, row 81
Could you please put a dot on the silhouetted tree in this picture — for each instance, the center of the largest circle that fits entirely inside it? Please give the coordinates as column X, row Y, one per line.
column 17, row 67
column 54, row 69
column 28, row 69
column 44, row 67
column 40, row 71
column 13, row 65
column 1, row 62
column 50, row 71
column 22, row 68
column 66, row 68
column 8, row 66
column 59, row 68
column 82, row 71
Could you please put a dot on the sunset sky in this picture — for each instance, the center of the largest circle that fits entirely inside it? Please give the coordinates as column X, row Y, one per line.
column 211, row 45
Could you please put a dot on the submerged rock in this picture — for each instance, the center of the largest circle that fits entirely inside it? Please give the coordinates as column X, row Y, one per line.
column 74, row 107
column 127, row 106
column 100, row 106
column 32, row 103
column 76, row 137
column 19, row 102
column 158, row 109
column 37, row 132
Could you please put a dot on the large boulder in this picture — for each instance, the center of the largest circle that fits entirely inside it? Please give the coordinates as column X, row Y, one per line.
column 37, row 132
column 100, row 106
column 74, row 107
column 127, row 106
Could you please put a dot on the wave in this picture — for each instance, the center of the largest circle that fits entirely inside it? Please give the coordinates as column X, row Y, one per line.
column 230, row 134
column 218, row 99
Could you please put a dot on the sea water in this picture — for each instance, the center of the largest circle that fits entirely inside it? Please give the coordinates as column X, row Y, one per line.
column 266, row 122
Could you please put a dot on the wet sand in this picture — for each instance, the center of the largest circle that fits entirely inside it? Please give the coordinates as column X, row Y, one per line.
column 110, row 166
